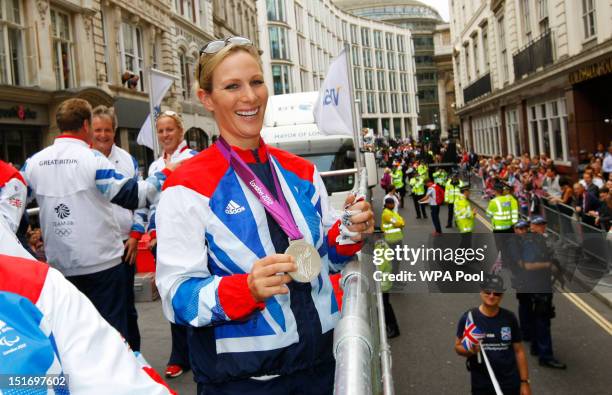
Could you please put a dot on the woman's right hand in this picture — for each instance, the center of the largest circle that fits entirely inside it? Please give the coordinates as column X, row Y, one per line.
column 269, row 276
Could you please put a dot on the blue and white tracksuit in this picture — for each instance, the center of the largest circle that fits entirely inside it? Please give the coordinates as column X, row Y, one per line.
column 211, row 229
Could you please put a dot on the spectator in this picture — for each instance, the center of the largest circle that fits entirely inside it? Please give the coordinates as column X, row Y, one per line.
column 36, row 244
column 607, row 163
column 550, row 184
column 392, row 193
column 600, row 152
column 583, row 201
column 434, row 197
column 587, row 182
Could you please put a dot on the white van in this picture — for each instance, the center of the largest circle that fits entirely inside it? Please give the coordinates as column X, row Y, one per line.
column 289, row 125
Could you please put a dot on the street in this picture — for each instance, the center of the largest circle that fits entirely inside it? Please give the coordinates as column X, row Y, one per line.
column 424, row 360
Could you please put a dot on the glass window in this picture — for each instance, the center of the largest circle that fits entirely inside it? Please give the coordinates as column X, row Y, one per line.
column 400, row 43
column 588, row 18
column 381, row 81
column 17, row 143
column 402, row 61
column 357, row 78
column 185, row 69
column 377, row 39
column 379, row 60
column 299, row 18
column 365, row 36
column 367, row 57
column 390, row 60
column 276, row 10
column 63, row 61
column 369, row 84
column 281, row 79
column 383, row 102
column 371, row 102
column 279, row 42
column 392, row 82
column 12, row 59
column 405, row 103
column 354, row 39
column 526, row 19
column 355, row 55
column 389, row 41
column 502, row 48
column 485, row 48
column 476, row 65
column 394, row 103
column 132, row 53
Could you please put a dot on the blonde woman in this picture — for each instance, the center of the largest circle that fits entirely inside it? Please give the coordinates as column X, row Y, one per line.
column 246, row 242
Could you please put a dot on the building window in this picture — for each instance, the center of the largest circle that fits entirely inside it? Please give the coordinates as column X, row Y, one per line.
column 468, row 69
column 543, row 15
column 365, row 37
column 400, row 43
column 548, row 129
column 402, row 62
column 304, row 80
column 390, row 60
column 279, row 42
column 185, row 69
column 12, row 59
column 299, row 18
column 502, row 49
column 588, row 18
column 526, row 19
column 381, row 81
column 355, row 55
column 476, row 64
column 379, row 60
column 276, row 10
column 367, row 57
column 354, row 39
column 281, row 79
column 377, row 39
column 359, row 99
column 392, row 82
column 131, row 52
column 302, row 56
column 371, row 102
column 513, row 133
column 63, row 62
column 405, row 103
column 394, row 103
column 369, row 84
column 389, row 41
column 485, row 48
column 404, row 82
column 357, row 77
column 383, row 102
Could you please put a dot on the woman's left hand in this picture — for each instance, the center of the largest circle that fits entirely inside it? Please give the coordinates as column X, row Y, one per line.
column 363, row 221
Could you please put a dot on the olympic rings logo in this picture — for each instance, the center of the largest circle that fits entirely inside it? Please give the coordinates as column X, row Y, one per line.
column 61, row 232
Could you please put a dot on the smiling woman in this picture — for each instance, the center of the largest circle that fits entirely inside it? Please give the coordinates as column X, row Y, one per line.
column 246, row 242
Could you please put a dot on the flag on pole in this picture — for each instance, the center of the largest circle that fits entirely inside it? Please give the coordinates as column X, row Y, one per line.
column 471, row 334
column 160, row 83
column 333, row 111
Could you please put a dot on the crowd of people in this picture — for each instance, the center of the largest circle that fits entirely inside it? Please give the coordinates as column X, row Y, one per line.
column 243, row 235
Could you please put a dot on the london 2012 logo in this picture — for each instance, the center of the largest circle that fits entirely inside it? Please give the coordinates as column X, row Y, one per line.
column 62, row 211
column 332, row 96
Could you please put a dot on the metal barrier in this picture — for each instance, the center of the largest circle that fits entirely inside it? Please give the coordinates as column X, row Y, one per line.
column 363, row 356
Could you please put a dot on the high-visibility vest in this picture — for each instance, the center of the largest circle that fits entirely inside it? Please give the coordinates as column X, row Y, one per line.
column 451, row 192
column 422, row 169
column 398, row 178
column 503, row 211
column 418, row 185
column 464, row 215
column 385, row 267
column 439, row 177
column 392, row 224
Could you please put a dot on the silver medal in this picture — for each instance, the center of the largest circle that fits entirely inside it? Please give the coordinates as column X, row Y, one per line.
column 307, row 260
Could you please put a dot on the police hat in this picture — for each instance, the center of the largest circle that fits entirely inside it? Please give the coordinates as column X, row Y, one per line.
column 538, row 220
column 498, row 186
column 389, row 200
column 521, row 224
column 492, row 282
column 506, row 185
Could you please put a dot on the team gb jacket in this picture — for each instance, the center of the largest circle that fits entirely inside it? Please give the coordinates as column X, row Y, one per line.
column 210, row 231
column 74, row 187
column 47, row 327
column 13, row 195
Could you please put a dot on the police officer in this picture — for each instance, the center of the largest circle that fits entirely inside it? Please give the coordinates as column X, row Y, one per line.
column 417, row 184
column 397, row 178
column 452, row 190
column 464, row 216
column 392, row 225
column 439, row 176
column 536, row 261
column 503, row 211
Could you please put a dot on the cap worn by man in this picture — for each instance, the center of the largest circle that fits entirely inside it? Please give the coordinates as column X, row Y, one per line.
column 493, row 283
column 538, row 220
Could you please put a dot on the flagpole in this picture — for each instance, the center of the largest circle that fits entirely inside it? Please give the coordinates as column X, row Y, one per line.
column 347, row 49
column 152, row 114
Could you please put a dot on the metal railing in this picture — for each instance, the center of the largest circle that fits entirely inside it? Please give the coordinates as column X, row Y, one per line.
column 361, row 349
column 538, row 53
column 480, row 87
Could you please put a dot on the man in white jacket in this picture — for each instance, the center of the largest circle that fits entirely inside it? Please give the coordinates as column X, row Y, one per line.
column 74, row 187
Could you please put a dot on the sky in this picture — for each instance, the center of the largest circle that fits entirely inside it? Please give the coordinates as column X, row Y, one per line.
column 440, row 5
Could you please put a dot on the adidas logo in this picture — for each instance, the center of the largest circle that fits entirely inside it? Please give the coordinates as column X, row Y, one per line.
column 233, row 208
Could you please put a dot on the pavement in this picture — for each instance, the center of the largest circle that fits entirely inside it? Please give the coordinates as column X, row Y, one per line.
column 424, row 361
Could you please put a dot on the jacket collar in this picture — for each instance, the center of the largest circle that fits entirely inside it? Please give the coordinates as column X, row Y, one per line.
column 71, row 139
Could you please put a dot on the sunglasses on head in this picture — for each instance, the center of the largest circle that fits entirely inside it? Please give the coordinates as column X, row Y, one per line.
column 489, row 292
column 168, row 113
column 217, row 45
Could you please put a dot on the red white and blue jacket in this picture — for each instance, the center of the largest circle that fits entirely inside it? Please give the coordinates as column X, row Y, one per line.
column 13, row 195
column 48, row 327
column 210, row 230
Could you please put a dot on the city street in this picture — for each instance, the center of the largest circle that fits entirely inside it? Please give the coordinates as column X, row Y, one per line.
column 424, row 360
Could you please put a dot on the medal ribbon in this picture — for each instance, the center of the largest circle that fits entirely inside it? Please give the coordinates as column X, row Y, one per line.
column 278, row 209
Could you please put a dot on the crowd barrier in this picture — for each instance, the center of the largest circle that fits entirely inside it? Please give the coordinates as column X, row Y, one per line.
column 582, row 246
column 361, row 349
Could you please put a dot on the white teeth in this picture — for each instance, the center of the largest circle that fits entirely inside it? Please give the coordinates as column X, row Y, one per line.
column 248, row 113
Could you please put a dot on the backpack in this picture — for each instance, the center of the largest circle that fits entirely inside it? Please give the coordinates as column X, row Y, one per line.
column 439, row 195
column 385, row 181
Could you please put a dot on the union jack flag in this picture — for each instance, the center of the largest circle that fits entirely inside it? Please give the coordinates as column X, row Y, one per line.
column 471, row 334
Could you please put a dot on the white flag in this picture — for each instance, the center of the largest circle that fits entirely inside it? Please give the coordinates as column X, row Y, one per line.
column 332, row 111
column 160, row 83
